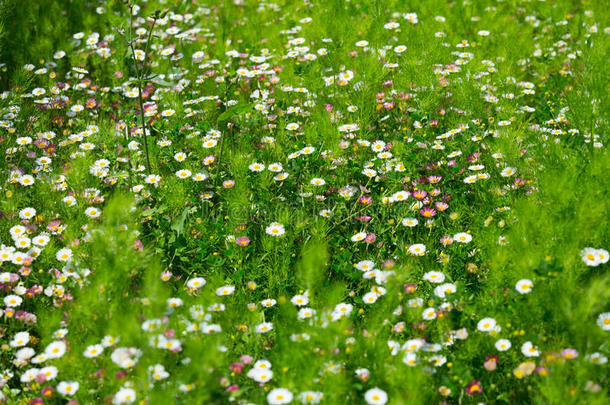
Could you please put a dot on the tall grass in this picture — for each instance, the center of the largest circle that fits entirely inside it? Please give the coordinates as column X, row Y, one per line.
column 135, row 261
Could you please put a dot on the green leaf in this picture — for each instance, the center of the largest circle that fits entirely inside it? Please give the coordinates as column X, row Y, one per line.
column 178, row 224
column 232, row 112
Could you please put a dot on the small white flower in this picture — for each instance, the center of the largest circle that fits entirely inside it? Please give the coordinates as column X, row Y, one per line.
column 183, row 174
column 20, row 339
column 590, row 257
column 196, row 283
column 93, row 212
column 417, row 249
column 524, row 286
column 358, row 237
column 410, row 222
column 486, row 324
column 529, row 350
column 370, row 297
column 434, row 277
column 12, row 301
column 603, row 320
column 508, row 171
column 263, row 327
column 67, row 387
column 257, row 167
column 429, row 314
column 503, row 345
column 279, row 396
column 462, row 237
column 93, row 351
column 375, row 396
column 225, row 290
column 55, row 349
column 124, row 396
column 275, row 229
column 27, row 213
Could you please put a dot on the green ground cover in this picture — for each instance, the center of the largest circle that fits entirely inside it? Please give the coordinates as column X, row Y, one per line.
column 340, row 202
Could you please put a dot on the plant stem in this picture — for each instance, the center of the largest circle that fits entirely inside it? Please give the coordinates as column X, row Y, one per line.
column 140, row 74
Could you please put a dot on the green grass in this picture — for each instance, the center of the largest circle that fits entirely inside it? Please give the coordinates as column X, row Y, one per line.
column 542, row 61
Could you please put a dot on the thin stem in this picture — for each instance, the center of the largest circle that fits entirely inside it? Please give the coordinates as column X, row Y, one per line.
column 140, row 90
column 140, row 80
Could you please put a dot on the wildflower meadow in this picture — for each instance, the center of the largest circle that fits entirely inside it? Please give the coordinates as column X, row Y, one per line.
column 257, row 202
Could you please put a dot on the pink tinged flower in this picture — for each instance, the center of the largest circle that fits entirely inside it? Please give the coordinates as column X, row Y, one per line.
column 232, row 388
column 166, row 275
column 47, row 391
column 246, row 359
column 474, row 387
column 419, row 194
column 388, row 264
column 370, row 238
column 228, row 183
column 365, row 200
column 441, row 206
column 91, row 103
column 364, row 218
column 427, row 212
column 519, row 182
column 138, row 246
column 446, row 240
column 53, row 225
column 208, row 160
column 399, row 327
column 410, row 288
column 242, row 241
column 419, row 326
column 473, row 157
column 236, row 367
column 569, row 353
column 491, row 363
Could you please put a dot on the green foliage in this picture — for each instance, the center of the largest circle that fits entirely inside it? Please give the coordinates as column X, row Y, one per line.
column 382, row 146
